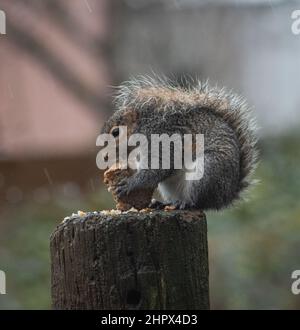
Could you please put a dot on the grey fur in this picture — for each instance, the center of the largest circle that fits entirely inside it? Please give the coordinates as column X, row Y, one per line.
column 224, row 118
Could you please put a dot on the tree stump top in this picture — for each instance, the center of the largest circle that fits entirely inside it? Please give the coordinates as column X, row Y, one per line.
column 118, row 217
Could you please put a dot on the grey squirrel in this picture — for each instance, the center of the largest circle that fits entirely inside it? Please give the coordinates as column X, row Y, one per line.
column 158, row 105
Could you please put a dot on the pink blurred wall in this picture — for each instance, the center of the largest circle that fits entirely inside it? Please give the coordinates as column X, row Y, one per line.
column 39, row 117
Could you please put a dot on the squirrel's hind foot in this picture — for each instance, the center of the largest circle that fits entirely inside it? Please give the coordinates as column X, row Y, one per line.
column 178, row 205
column 158, row 205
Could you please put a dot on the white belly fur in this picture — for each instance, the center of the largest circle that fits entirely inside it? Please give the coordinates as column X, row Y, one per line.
column 175, row 188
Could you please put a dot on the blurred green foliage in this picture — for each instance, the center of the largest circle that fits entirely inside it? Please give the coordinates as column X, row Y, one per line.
column 254, row 247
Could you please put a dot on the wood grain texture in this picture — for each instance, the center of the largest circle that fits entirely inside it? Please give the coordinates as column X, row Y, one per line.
column 134, row 260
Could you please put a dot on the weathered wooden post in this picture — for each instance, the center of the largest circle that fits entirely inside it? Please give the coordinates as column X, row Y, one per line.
column 131, row 260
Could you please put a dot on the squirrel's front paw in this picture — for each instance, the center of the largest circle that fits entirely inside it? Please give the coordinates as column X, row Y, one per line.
column 133, row 183
column 123, row 188
column 126, row 186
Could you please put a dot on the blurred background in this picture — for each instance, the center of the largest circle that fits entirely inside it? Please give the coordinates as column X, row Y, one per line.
column 59, row 61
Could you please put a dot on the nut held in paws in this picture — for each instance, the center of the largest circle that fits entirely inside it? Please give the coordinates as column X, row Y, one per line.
column 138, row 199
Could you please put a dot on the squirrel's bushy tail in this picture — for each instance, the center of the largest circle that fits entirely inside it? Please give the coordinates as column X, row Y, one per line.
column 191, row 94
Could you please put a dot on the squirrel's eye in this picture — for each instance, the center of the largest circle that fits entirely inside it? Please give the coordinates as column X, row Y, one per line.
column 115, row 132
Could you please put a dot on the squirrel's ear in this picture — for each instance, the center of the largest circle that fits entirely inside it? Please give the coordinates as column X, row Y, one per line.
column 130, row 116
